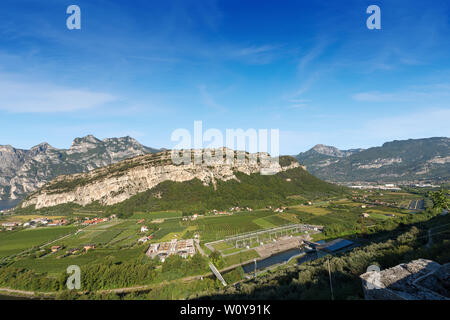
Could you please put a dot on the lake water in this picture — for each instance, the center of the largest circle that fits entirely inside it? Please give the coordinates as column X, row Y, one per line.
column 8, row 204
column 279, row 258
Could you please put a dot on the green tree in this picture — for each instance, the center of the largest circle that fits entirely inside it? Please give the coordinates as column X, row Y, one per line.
column 440, row 199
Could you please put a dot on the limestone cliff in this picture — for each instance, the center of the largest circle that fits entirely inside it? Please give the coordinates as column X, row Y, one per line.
column 118, row 182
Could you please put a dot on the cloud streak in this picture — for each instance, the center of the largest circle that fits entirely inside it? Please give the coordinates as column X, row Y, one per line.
column 28, row 97
column 418, row 93
column 208, row 100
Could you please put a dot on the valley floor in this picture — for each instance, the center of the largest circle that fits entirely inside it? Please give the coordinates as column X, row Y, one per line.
column 116, row 263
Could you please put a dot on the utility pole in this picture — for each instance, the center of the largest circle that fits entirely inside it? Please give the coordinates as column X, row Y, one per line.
column 255, row 267
column 331, row 284
column 363, row 227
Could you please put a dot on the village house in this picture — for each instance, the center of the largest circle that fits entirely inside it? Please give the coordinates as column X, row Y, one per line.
column 10, row 224
column 144, row 229
column 94, row 221
column 89, row 247
column 73, row 250
column 56, row 248
column 145, row 239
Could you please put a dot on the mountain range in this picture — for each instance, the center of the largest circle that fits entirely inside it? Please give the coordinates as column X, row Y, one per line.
column 399, row 161
column 24, row 171
column 415, row 160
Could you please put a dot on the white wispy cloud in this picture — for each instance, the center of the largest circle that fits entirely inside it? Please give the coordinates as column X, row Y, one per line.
column 298, row 106
column 208, row 100
column 311, row 55
column 417, row 93
column 35, row 97
column 252, row 50
column 295, row 99
column 253, row 54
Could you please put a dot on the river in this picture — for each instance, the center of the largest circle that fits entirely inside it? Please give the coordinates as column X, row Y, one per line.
column 280, row 258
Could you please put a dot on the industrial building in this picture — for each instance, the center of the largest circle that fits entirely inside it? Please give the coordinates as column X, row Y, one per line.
column 183, row 248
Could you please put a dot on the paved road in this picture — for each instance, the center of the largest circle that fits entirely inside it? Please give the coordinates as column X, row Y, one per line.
column 199, row 248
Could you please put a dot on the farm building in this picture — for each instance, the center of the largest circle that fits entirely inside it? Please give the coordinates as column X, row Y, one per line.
column 55, row 248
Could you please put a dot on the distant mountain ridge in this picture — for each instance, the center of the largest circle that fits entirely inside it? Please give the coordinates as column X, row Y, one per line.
column 333, row 151
column 403, row 161
column 24, row 171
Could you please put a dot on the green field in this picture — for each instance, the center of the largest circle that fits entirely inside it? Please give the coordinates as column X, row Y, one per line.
column 116, row 241
column 318, row 211
column 157, row 215
column 52, row 265
column 240, row 257
column 16, row 241
column 215, row 228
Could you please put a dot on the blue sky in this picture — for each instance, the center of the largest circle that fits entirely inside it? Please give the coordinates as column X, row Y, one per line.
column 145, row 68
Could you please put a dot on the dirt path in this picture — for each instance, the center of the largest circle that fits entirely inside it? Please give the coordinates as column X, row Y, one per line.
column 200, row 248
column 21, row 293
column 13, row 291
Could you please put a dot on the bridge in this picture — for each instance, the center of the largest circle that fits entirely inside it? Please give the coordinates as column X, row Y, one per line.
column 217, row 273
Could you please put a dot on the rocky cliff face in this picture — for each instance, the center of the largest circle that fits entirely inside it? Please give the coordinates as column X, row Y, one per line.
column 333, row 151
column 118, row 182
column 24, row 171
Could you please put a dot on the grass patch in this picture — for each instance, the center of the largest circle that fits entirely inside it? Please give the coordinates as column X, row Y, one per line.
column 240, row 257
column 17, row 241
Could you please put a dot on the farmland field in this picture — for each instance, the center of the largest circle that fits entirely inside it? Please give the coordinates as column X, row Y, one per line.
column 240, row 257
column 156, row 215
column 24, row 218
column 214, row 228
column 15, row 242
column 314, row 210
column 53, row 265
column 116, row 241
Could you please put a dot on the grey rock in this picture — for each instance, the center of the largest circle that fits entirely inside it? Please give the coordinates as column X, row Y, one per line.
column 24, row 171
